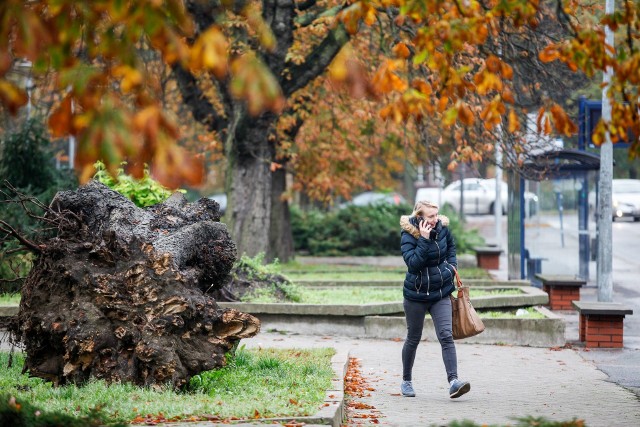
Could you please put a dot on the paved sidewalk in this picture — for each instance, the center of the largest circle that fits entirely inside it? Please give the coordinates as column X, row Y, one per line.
column 506, row 382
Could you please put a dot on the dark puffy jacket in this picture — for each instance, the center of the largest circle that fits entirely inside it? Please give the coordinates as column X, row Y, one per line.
column 430, row 262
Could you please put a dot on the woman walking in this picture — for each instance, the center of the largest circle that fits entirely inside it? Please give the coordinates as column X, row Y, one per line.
column 429, row 251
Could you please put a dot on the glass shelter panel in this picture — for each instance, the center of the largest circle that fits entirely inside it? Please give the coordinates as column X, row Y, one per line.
column 559, row 235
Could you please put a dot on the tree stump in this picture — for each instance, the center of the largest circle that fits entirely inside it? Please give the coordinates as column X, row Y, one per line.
column 123, row 293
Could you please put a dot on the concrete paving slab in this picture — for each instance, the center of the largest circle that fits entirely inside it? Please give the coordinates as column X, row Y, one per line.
column 506, row 382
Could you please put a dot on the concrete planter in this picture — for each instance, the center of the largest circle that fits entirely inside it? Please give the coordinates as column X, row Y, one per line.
column 386, row 320
column 530, row 296
column 8, row 310
column 547, row 332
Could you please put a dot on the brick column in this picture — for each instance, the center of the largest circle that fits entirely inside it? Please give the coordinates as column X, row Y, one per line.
column 562, row 290
column 488, row 257
column 603, row 331
column 560, row 297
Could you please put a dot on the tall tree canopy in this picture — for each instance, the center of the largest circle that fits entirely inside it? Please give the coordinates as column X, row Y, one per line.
column 261, row 76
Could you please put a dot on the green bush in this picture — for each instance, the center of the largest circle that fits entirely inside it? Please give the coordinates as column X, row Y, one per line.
column 26, row 163
column 25, row 160
column 354, row 230
column 143, row 192
column 362, row 230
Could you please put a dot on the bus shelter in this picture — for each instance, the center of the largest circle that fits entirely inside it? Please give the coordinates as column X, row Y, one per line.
column 552, row 233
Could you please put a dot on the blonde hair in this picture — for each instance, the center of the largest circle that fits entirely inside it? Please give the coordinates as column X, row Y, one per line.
column 422, row 204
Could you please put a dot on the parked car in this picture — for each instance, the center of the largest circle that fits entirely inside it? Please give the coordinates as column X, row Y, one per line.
column 373, row 198
column 479, row 196
column 626, row 198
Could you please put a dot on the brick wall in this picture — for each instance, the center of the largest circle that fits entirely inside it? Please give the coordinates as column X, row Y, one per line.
column 560, row 297
column 488, row 261
column 601, row 330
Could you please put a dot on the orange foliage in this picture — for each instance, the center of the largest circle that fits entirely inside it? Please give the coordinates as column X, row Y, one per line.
column 110, row 100
column 431, row 69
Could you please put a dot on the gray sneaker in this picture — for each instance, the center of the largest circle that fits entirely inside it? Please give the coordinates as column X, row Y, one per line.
column 407, row 389
column 458, row 388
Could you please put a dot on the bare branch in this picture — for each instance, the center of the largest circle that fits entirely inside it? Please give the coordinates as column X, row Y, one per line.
column 6, row 228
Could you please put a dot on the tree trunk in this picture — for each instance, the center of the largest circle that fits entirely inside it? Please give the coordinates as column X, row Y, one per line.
column 122, row 293
column 258, row 217
column 280, row 233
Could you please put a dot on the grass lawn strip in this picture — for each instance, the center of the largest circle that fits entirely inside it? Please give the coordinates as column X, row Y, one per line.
column 10, row 299
column 356, row 295
column 369, row 273
column 257, row 383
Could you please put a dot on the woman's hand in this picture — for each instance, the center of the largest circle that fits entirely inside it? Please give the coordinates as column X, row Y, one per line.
column 425, row 229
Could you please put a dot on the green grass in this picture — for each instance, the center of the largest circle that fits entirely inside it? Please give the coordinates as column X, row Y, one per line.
column 355, row 295
column 347, row 275
column 271, row 382
column 531, row 313
column 296, row 267
column 10, row 299
column 358, row 273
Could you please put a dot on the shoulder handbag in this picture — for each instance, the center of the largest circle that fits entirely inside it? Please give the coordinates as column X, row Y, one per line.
column 466, row 322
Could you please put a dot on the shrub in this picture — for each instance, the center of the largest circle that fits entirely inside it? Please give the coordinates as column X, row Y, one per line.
column 354, row 230
column 26, row 163
column 363, row 230
column 143, row 192
column 24, row 158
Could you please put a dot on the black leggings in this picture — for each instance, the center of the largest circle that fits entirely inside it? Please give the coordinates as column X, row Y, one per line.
column 441, row 314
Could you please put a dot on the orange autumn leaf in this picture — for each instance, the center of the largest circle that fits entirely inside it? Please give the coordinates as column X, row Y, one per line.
column 12, row 96
column 465, row 115
column 60, row 121
column 506, row 70
column 253, row 82
column 507, row 96
column 350, row 17
column 275, row 166
column 338, row 69
column 549, row 54
column 442, row 103
column 173, row 165
column 493, row 63
column 514, row 123
column 210, row 52
column 422, row 86
column 386, row 80
column 401, row 50
column 130, row 77
column 539, row 118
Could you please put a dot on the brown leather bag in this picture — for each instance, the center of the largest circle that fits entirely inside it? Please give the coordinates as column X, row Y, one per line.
column 466, row 322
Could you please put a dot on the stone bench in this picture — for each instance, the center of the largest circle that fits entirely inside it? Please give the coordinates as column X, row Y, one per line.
column 601, row 323
column 562, row 290
column 488, row 257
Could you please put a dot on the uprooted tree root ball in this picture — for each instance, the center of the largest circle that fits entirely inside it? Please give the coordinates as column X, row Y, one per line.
column 123, row 293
